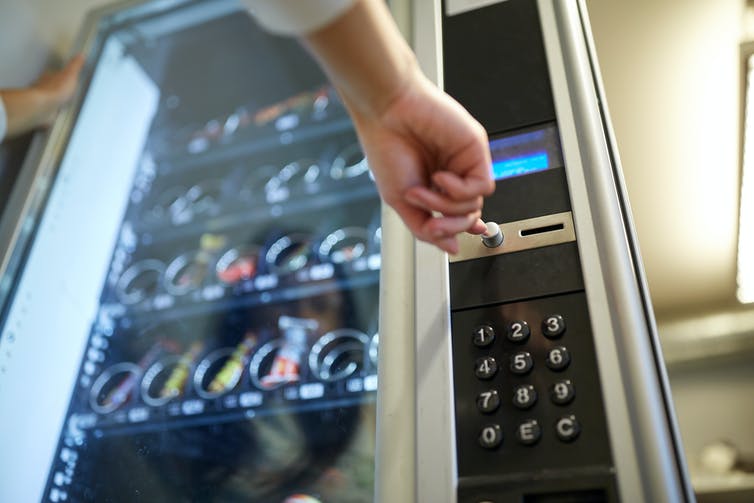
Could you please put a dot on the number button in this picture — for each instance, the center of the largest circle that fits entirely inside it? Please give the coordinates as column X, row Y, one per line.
column 521, row 363
column 485, row 367
column 528, row 432
column 518, row 331
column 488, row 401
column 483, row 336
column 491, row 436
column 558, row 358
column 524, row 396
column 567, row 428
column 562, row 392
column 553, row 326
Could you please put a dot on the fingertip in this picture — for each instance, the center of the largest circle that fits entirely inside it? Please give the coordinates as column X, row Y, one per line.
column 478, row 227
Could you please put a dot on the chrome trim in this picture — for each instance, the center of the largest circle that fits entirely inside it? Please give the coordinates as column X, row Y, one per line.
column 124, row 367
column 635, row 252
column 515, row 239
column 641, row 438
column 149, row 376
column 329, row 250
column 228, row 259
column 373, row 348
column 295, row 243
column 267, row 350
column 342, row 169
column 205, row 364
column 334, row 345
column 180, row 264
column 133, row 272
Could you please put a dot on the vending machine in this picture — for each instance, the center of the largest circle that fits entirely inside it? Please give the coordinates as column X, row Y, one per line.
column 536, row 368
column 191, row 277
column 193, row 293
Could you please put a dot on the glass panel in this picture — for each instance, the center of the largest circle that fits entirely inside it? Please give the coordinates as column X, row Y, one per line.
column 204, row 278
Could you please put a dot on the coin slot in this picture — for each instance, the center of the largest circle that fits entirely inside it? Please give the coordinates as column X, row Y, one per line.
column 541, row 230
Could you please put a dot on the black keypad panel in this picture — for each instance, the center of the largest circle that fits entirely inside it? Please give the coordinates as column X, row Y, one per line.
column 529, row 400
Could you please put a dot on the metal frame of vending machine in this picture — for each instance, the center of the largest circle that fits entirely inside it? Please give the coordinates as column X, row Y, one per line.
column 504, row 333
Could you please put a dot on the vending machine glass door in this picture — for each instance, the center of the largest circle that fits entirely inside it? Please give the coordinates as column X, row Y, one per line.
column 189, row 306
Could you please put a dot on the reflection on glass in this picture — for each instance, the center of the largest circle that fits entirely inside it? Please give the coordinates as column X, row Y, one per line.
column 233, row 354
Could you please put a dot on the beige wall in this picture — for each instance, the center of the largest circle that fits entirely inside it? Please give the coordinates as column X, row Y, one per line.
column 37, row 33
column 670, row 69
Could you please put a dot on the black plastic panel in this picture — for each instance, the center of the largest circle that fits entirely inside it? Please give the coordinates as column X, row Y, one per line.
column 495, row 65
column 511, row 460
column 528, row 196
column 515, row 276
column 570, row 489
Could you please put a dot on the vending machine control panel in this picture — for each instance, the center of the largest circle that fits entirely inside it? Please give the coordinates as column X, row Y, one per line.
column 530, row 417
column 530, row 422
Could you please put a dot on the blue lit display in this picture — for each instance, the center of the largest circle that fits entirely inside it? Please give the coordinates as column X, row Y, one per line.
column 521, row 165
column 526, row 151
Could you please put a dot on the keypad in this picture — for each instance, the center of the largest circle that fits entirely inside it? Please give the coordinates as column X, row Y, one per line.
column 538, row 363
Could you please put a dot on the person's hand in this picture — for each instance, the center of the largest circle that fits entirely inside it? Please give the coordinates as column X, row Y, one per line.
column 35, row 106
column 431, row 162
column 56, row 88
column 430, row 158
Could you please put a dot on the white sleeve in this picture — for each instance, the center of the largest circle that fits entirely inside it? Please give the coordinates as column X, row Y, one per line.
column 296, row 17
column 3, row 120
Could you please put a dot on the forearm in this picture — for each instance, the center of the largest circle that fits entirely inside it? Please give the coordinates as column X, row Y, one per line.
column 365, row 56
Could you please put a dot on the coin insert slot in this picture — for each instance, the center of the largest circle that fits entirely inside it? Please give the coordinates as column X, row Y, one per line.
column 541, row 230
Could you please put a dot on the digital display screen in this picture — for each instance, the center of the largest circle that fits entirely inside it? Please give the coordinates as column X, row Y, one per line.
column 523, row 152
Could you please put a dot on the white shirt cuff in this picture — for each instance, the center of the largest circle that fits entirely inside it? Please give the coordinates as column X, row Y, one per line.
column 296, row 17
column 3, row 120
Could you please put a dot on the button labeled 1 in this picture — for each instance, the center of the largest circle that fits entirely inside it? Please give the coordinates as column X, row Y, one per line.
column 483, row 336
